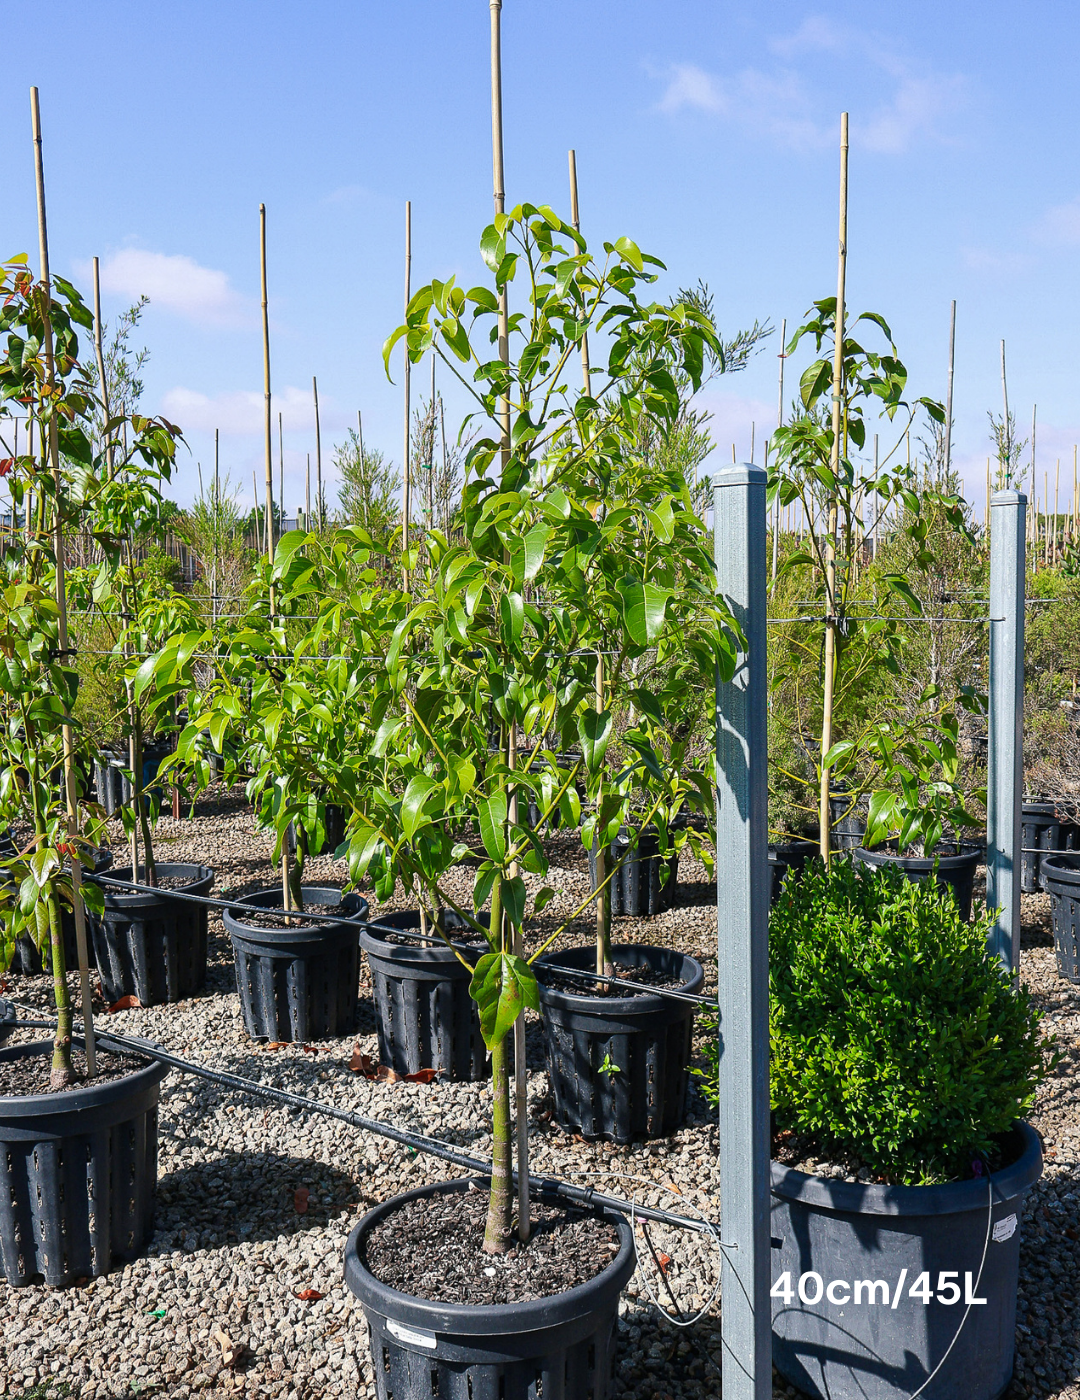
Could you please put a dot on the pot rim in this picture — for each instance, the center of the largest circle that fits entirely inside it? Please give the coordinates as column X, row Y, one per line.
column 947, row 1198
column 74, row 1101
column 255, row 899
column 118, row 899
column 1061, row 869
column 373, row 941
column 970, row 853
column 614, row 1005
column 473, row 1320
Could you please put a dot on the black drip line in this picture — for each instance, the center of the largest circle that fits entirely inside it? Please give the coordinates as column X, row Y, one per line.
column 238, row 906
column 540, row 1185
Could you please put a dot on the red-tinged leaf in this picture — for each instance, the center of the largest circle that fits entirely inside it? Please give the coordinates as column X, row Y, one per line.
column 300, row 1200
column 663, row 1260
column 309, row 1295
column 6, row 465
column 356, row 1062
column 128, row 1003
column 276, row 1044
column 313, row 1049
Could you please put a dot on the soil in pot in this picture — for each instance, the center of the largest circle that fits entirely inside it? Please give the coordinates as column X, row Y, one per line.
column 538, row 1342
column 871, row 1283
column 644, row 1039
column 149, row 945
column 297, row 981
column 426, row 1017
column 78, row 1168
column 951, row 868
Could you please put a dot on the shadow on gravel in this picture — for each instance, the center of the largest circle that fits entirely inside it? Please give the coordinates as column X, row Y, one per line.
column 248, row 1196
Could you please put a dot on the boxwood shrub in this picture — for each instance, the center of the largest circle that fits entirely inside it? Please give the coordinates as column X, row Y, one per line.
column 895, row 1036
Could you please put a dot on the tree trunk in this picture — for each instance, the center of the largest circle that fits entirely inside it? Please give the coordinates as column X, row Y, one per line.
column 61, row 1074
column 499, row 1229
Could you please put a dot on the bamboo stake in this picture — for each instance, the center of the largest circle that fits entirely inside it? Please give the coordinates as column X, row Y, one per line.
column 360, row 438
column 576, row 221
column 78, row 907
column 948, row 395
column 307, row 494
column 830, row 546
column 99, row 355
column 268, row 436
column 986, row 506
column 779, row 423
column 318, row 456
column 1057, row 489
column 1046, row 520
column 1006, row 431
column 1076, row 497
column 406, row 491
column 281, row 469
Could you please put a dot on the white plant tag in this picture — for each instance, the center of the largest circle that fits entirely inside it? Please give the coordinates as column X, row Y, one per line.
column 1005, row 1229
column 410, row 1336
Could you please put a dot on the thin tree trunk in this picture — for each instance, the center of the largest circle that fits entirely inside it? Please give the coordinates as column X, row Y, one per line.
column 499, row 1227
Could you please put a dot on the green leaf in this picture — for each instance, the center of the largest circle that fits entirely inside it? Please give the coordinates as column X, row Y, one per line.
column 543, row 899
column 644, row 606
column 594, row 731
column 514, row 898
column 493, row 825
column 630, row 252
column 417, row 793
column 502, row 985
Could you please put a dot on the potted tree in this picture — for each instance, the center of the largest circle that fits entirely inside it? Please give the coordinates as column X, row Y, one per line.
column 67, row 1136
column 903, row 1061
column 487, row 634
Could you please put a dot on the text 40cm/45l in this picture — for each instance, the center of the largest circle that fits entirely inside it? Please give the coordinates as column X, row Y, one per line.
column 812, row 1290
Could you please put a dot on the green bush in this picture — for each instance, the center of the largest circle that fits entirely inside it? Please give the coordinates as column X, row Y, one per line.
column 894, row 1035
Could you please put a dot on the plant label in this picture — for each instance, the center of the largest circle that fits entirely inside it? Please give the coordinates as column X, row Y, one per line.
column 1005, row 1229
column 411, row 1336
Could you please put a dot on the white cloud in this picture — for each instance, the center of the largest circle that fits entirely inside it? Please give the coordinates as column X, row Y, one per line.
column 177, row 283
column 240, row 412
column 987, row 260
column 1060, row 225
column 789, row 108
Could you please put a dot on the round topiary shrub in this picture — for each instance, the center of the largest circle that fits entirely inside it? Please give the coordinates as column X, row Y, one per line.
column 895, row 1036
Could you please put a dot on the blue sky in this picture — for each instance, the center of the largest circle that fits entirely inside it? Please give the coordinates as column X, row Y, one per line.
column 705, row 131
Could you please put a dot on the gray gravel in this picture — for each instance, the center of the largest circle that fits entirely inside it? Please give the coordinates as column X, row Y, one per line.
column 212, row 1309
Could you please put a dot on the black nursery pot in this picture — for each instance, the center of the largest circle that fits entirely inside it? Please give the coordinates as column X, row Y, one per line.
column 150, row 944
column 562, row 1346
column 955, row 872
column 846, row 1324
column 1040, row 831
column 78, row 1171
column 1061, row 877
column 648, row 1037
column 27, row 959
column 299, row 983
column 426, row 1017
column 785, row 856
column 112, row 788
column 639, row 887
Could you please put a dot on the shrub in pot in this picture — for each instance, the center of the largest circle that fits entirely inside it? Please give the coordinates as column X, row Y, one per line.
column 901, row 1052
column 78, row 1155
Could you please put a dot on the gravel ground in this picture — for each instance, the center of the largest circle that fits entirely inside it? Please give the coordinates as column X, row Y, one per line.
column 213, row 1307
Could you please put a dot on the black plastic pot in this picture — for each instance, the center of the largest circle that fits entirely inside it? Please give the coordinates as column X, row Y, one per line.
column 951, row 872
column 562, row 1346
column 638, row 887
column 647, row 1037
column 534, row 809
column 27, row 959
column 1061, row 878
column 78, row 1171
column 150, row 945
column 831, row 1238
column 334, row 823
column 1040, row 830
column 426, row 1017
column 112, row 788
column 785, row 856
column 298, row 983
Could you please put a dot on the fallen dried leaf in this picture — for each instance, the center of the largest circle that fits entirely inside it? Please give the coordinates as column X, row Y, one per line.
column 300, row 1200
column 313, row 1049
column 276, row 1044
column 128, row 1003
column 356, row 1062
column 383, row 1074
column 231, row 1351
column 663, row 1260
column 309, row 1295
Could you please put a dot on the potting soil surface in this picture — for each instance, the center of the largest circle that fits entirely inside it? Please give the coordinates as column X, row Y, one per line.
column 29, row 1074
column 629, row 972
column 240, row 1291
column 275, row 918
column 433, row 1248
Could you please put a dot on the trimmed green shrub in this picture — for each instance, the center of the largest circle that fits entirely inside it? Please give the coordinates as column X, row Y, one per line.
column 895, row 1036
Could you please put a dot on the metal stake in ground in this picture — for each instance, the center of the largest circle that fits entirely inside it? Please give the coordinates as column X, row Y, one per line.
column 71, row 792
column 742, row 895
column 1005, row 768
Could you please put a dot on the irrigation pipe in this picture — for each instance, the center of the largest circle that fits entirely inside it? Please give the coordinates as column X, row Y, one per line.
column 209, row 902
column 579, row 1195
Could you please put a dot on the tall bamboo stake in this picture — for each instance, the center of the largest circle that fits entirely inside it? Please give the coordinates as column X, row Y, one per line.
column 307, row 494
column 406, row 488
column 1057, row 489
column 318, row 456
column 360, row 438
column 521, row 1105
column 268, row 435
column 281, row 469
column 948, row 394
column 834, row 462
column 1076, row 497
column 779, row 423
column 63, row 1005
column 1006, row 430
column 986, row 506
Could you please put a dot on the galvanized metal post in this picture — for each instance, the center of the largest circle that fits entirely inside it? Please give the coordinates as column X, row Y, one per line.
column 742, row 901
column 1005, row 763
